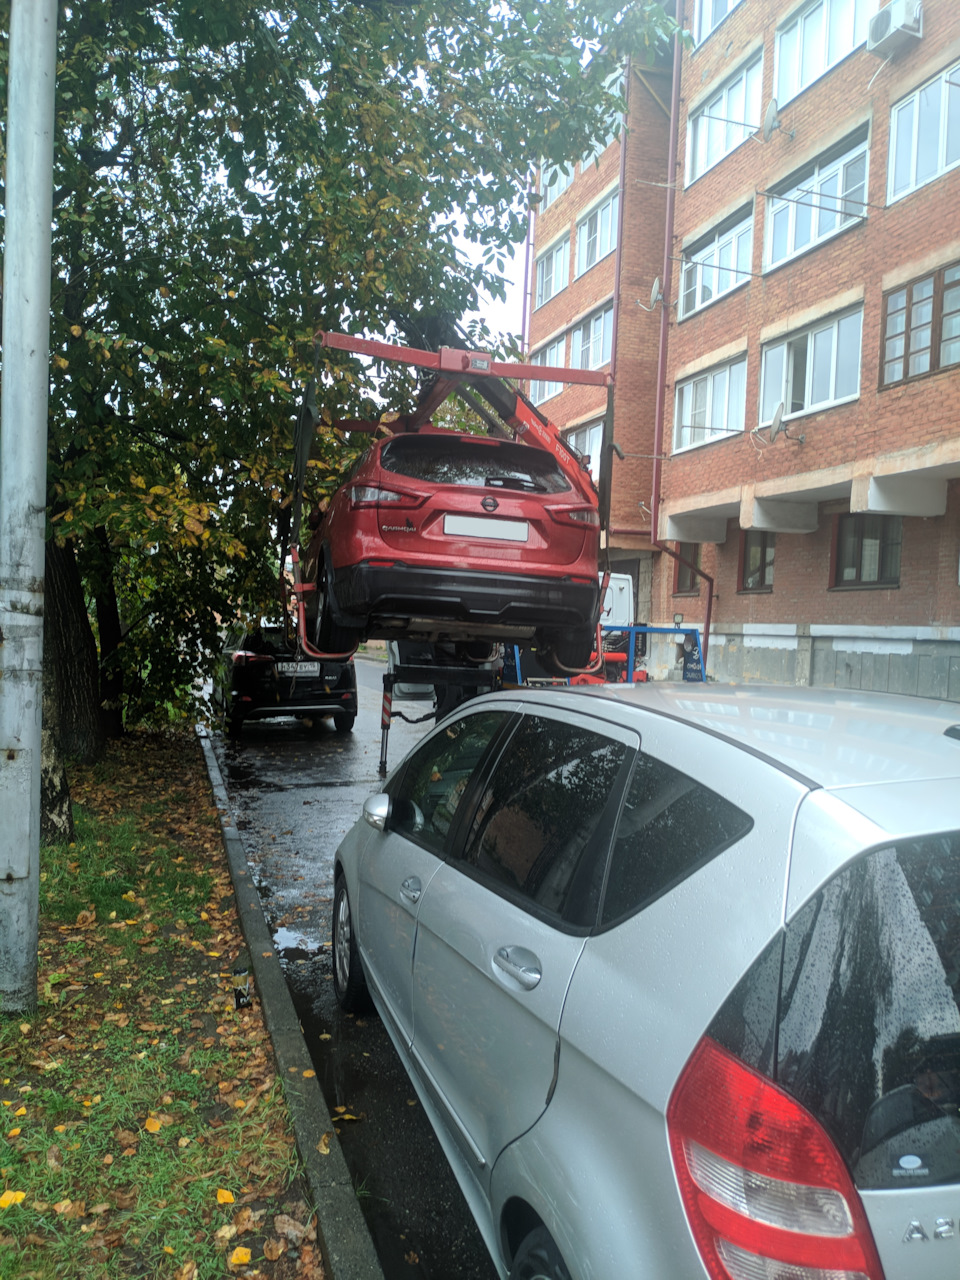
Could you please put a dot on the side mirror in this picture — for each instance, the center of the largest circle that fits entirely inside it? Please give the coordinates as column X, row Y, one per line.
column 376, row 810
column 385, row 814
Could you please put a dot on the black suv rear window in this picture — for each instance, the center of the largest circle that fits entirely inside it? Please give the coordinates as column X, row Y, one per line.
column 492, row 464
column 868, row 1031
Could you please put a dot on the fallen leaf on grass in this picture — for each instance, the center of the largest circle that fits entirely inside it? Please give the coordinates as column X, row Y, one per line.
column 240, row 1257
column 152, row 1125
column 187, row 1272
column 11, row 1197
column 54, row 1157
column 225, row 1233
column 224, row 1197
column 272, row 1249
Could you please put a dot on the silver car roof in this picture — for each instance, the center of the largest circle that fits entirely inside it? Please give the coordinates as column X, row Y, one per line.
column 827, row 737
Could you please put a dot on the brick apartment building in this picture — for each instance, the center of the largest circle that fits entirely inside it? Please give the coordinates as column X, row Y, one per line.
column 803, row 455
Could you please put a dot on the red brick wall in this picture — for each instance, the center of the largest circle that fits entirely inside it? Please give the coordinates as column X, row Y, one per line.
column 641, row 259
column 922, row 228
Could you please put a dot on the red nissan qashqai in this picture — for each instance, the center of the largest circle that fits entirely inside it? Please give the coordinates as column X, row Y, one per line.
column 445, row 536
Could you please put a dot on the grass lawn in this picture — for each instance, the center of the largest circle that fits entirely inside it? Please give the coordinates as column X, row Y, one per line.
column 143, row 1131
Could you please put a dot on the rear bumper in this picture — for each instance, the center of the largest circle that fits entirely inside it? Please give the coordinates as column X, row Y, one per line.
column 367, row 595
column 262, row 693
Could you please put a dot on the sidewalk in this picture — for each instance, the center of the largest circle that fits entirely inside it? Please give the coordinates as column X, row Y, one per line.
column 342, row 1232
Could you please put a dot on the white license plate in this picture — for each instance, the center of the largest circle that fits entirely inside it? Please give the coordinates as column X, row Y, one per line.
column 299, row 668
column 486, row 527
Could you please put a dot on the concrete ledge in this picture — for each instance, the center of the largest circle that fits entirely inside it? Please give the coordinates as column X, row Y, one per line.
column 345, row 1243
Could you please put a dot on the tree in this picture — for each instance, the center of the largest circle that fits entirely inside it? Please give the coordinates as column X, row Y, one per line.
column 230, row 178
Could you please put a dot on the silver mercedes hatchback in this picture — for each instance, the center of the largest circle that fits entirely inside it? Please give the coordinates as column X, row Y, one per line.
column 675, row 971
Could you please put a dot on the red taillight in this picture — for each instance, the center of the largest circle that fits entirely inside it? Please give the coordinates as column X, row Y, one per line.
column 766, row 1192
column 243, row 657
column 371, row 495
column 576, row 515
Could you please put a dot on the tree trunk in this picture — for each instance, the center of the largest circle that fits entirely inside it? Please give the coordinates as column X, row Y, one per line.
column 70, row 668
column 111, row 634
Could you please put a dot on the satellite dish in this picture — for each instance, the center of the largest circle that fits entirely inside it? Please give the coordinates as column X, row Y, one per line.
column 771, row 121
column 776, row 426
column 656, row 295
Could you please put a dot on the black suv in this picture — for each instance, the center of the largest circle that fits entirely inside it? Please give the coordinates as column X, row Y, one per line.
column 264, row 677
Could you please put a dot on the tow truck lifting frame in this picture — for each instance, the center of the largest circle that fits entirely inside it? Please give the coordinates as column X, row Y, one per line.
column 479, row 380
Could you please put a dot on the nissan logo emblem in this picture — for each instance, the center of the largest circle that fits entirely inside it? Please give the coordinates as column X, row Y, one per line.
column 489, row 504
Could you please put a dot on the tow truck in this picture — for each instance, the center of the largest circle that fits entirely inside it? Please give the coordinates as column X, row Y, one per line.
column 481, row 382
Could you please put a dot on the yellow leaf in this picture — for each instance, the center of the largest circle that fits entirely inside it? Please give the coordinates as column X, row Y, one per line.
column 76, row 330
column 13, row 1133
column 152, row 1125
column 11, row 1197
column 323, row 1146
column 308, row 1075
column 63, row 1206
column 224, row 1197
column 20, row 1111
column 240, row 1256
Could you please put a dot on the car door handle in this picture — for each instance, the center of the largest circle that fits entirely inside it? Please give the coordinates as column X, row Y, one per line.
column 411, row 889
column 520, row 964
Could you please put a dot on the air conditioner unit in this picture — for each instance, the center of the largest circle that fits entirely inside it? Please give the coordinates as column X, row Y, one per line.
column 895, row 27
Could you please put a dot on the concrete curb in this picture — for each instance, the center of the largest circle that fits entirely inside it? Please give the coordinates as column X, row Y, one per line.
column 345, row 1243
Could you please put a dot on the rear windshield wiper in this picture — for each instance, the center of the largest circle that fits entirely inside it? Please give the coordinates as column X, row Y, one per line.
column 514, row 482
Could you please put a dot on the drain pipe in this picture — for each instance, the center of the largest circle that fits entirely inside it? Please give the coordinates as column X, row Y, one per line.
column 662, row 351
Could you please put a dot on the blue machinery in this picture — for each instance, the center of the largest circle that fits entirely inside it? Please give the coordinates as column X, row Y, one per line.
column 520, row 667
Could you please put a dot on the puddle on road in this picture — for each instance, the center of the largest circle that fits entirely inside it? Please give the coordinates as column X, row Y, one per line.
column 291, row 945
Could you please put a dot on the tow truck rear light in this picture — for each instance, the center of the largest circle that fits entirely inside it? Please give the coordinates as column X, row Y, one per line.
column 766, row 1192
column 575, row 515
column 370, row 495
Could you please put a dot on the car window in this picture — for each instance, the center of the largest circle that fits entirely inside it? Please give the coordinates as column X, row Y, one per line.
column 869, row 1030
column 436, row 775
column 671, row 825
column 487, row 464
column 542, row 824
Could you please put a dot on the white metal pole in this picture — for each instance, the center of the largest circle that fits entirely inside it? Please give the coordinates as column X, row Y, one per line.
column 23, row 477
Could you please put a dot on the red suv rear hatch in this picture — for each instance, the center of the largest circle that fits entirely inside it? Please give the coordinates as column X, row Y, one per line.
column 490, row 501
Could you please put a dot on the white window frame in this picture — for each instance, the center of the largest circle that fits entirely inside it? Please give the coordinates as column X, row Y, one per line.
column 560, row 180
column 816, row 38
column 719, row 396
column 705, row 18
column 810, row 198
column 802, row 353
column 553, row 272
column 593, row 338
column 716, row 266
column 725, row 120
column 599, row 229
column 907, row 112
column 553, row 356
column 588, row 441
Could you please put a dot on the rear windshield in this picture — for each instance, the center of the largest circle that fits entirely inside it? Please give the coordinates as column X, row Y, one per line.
column 868, row 1031
column 491, row 464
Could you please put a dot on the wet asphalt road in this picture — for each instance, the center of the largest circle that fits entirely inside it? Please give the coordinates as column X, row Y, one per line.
column 295, row 791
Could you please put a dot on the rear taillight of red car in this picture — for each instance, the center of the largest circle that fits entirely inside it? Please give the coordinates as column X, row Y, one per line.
column 575, row 515
column 370, row 495
column 766, row 1192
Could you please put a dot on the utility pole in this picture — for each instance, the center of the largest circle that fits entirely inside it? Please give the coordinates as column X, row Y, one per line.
column 23, row 482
